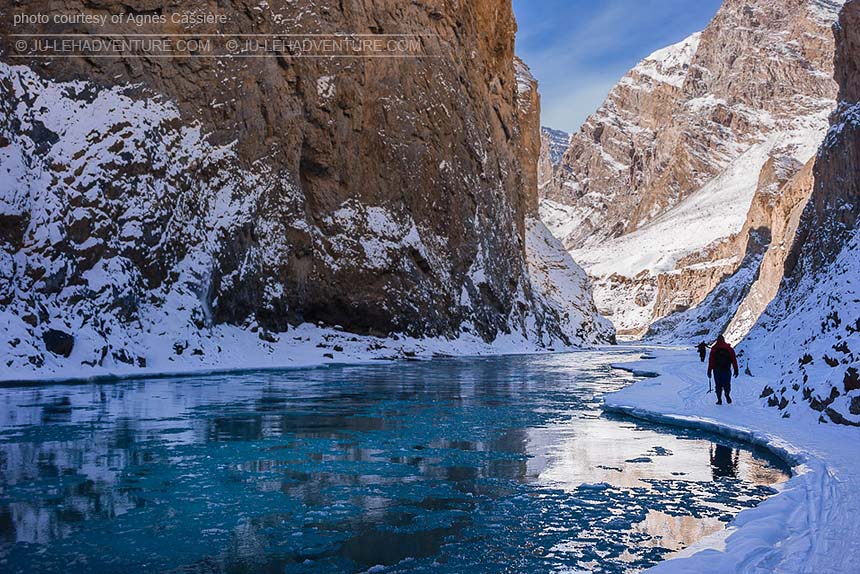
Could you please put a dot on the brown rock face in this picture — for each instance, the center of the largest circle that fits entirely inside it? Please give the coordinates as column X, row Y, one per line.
column 832, row 214
column 617, row 153
column 530, row 141
column 676, row 120
column 442, row 150
column 677, row 147
column 808, row 341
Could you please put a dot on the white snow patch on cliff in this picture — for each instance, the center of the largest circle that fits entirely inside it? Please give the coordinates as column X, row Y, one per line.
column 670, row 65
column 714, row 212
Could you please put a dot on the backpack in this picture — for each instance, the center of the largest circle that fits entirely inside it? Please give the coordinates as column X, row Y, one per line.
column 722, row 359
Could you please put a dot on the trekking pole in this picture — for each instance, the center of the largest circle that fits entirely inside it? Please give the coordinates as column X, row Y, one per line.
column 710, row 390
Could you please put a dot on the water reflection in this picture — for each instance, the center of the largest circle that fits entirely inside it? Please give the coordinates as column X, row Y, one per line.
column 451, row 465
column 724, row 461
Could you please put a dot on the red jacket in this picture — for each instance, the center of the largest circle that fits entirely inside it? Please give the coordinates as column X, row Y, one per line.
column 712, row 358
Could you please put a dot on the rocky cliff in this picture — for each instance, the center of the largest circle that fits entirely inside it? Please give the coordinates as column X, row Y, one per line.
column 654, row 195
column 146, row 199
column 811, row 330
column 741, row 275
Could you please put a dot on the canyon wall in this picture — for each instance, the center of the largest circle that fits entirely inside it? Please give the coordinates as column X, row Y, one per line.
column 658, row 192
column 147, row 198
column 810, row 333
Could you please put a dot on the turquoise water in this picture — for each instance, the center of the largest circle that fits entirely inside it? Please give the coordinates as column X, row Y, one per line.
column 473, row 465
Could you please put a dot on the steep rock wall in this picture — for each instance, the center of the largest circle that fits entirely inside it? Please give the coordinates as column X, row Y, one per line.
column 810, row 333
column 148, row 197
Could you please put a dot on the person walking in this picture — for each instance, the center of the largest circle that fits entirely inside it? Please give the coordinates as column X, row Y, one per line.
column 721, row 363
column 703, row 350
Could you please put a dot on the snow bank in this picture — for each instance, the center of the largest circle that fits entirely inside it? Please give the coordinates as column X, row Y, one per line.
column 231, row 348
column 811, row 525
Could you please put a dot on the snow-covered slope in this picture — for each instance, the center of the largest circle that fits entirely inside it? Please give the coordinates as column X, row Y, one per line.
column 563, row 286
column 668, row 65
column 113, row 209
column 810, row 333
column 807, row 346
column 714, row 212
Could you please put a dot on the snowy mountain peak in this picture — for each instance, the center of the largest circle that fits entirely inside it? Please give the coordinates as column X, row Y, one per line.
column 553, row 144
column 670, row 64
column 557, row 142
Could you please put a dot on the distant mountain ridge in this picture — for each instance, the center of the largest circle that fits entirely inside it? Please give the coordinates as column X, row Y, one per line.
column 553, row 144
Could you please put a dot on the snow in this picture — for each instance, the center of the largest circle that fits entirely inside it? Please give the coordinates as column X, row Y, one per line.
column 231, row 348
column 225, row 347
column 714, row 212
column 525, row 79
column 325, row 87
column 558, row 143
column 811, row 332
column 560, row 218
column 562, row 285
column 629, row 304
column 708, row 319
column 380, row 234
column 525, row 84
column 669, row 65
column 811, row 525
column 825, row 11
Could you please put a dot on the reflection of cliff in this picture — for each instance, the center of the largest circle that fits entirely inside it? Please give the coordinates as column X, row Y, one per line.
column 85, row 472
column 676, row 532
column 101, row 446
column 594, row 450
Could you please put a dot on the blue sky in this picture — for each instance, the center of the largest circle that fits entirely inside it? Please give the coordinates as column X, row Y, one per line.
column 578, row 49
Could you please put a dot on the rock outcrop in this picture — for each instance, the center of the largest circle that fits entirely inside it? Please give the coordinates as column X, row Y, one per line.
column 811, row 331
column 656, row 189
column 146, row 198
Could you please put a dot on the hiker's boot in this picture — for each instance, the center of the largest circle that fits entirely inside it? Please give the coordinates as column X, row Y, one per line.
column 729, row 400
column 719, row 402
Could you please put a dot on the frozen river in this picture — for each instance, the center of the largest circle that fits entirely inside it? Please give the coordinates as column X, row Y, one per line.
column 502, row 464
